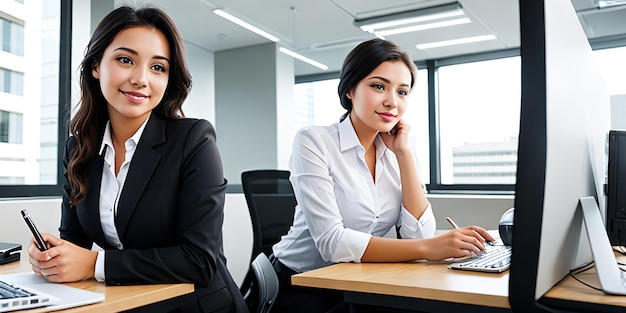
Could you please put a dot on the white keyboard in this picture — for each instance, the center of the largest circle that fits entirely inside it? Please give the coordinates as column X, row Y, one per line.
column 495, row 259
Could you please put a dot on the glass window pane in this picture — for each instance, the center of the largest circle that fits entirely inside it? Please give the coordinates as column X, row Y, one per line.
column 11, row 82
column 12, row 37
column 17, row 39
column 17, row 83
column 29, row 93
column 316, row 103
column 479, row 117
column 416, row 115
column 4, row 126
column 11, row 127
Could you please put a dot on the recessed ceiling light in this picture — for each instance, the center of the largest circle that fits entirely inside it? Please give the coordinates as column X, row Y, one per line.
column 454, row 42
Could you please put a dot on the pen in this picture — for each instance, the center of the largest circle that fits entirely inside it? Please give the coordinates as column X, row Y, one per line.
column 455, row 226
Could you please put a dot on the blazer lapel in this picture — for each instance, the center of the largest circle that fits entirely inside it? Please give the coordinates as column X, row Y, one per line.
column 143, row 164
column 90, row 209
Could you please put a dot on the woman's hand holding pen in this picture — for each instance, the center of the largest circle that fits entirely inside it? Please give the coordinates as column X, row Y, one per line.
column 458, row 243
column 63, row 261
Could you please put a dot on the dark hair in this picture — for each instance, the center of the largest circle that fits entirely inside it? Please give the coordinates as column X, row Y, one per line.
column 87, row 126
column 362, row 60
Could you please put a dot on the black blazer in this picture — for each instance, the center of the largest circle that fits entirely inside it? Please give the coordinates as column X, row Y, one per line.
column 169, row 216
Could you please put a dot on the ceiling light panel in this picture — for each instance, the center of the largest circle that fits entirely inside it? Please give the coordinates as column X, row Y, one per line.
column 244, row 24
column 453, row 42
column 403, row 19
column 303, row 58
column 420, row 27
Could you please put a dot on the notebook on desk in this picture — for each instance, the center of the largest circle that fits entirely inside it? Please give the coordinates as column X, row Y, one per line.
column 51, row 296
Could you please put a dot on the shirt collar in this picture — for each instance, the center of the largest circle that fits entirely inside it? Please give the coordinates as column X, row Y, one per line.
column 107, row 140
column 348, row 138
column 347, row 135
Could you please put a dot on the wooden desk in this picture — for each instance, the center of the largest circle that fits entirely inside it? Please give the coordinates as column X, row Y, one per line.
column 117, row 298
column 435, row 288
column 413, row 286
column 569, row 293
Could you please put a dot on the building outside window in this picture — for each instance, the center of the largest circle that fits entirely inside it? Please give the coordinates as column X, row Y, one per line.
column 12, row 37
column 11, row 82
column 479, row 105
column 10, row 127
column 29, row 92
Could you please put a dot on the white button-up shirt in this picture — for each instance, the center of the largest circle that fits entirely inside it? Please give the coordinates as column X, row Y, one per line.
column 111, row 188
column 340, row 207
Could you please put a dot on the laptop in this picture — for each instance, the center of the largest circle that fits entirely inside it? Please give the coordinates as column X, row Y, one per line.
column 50, row 296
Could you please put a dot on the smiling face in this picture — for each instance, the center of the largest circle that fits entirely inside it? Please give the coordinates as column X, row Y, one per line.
column 134, row 72
column 379, row 100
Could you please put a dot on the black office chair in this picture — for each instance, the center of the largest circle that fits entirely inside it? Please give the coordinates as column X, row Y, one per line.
column 271, row 203
column 262, row 290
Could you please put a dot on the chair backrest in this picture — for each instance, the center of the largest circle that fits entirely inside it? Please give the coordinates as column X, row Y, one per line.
column 263, row 289
column 271, row 203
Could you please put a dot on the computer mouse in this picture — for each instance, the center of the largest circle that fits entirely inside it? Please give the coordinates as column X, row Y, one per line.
column 505, row 227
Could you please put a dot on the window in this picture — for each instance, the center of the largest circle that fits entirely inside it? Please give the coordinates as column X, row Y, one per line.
column 477, row 120
column 479, row 105
column 11, row 82
column 30, row 89
column 10, row 127
column 12, row 36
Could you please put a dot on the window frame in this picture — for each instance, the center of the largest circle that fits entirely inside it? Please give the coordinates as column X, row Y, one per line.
column 436, row 186
column 65, row 46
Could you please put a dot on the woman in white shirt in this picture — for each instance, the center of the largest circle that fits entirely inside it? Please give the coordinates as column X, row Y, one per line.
column 357, row 179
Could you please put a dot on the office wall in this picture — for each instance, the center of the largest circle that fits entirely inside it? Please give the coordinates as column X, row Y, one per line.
column 201, row 101
column 246, row 95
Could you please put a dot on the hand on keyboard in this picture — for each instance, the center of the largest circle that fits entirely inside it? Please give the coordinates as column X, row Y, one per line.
column 495, row 259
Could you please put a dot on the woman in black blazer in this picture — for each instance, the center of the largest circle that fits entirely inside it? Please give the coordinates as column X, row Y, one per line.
column 142, row 182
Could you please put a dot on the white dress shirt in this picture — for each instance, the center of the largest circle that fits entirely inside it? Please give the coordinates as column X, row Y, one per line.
column 340, row 206
column 111, row 188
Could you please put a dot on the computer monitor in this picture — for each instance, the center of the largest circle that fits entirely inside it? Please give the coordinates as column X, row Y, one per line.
column 564, row 124
column 616, row 196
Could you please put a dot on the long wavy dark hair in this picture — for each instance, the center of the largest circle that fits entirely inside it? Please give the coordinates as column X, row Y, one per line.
column 362, row 60
column 87, row 126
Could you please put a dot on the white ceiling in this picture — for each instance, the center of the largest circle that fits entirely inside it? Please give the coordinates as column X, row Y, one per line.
column 324, row 30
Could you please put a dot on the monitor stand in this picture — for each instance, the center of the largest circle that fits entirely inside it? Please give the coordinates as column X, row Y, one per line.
column 612, row 279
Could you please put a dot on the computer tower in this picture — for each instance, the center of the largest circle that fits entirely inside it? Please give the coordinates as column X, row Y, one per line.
column 616, row 195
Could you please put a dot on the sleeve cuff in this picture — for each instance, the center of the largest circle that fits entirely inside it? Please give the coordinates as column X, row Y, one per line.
column 99, row 270
column 351, row 247
column 413, row 228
